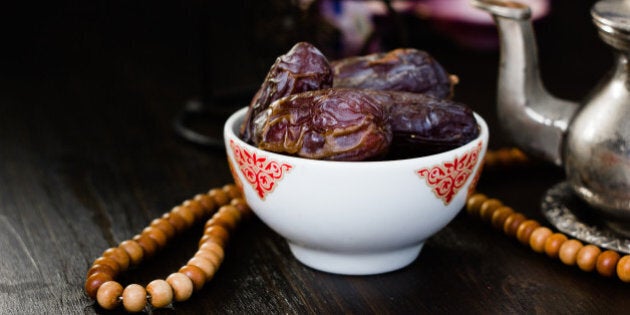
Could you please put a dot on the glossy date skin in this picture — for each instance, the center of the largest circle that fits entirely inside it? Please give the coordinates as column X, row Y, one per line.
column 330, row 124
column 424, row 125
column 303, row 68
column 403, row 69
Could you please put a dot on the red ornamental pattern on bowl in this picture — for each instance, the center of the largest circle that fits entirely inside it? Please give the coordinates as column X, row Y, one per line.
column 447, row 179
column 262, row 173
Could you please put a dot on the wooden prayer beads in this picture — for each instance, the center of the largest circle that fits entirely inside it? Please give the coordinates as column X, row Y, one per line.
column 179, row 286
column 543, row 240
column 231, row 208
column 540, row 239
column 506, row 157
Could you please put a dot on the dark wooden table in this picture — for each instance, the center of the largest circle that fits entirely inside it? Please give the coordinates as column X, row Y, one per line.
column 88, row 157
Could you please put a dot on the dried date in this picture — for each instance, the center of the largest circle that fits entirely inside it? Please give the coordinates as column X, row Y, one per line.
column 330, row 124
column 423, row 125
column 303, row 68
column 403, row 69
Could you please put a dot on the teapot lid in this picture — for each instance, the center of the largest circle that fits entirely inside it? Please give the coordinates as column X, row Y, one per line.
column 612, row 17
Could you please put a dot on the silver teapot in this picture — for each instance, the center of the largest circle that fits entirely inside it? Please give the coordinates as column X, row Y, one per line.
column 590, row 140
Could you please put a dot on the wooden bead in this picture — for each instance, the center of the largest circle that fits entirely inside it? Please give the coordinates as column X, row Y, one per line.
column 232, row 191
column 230, row 210
column 108, row 295
column 222, row 220
column 587, row 257
column 553, row 243
column 474, row 203
column 210, row 256
column 208, row 267
column 206, row 202
column 241, row 205
column 182, row 286
column 149, row 247
column 213, row 247
column 623, row 268
column 538, row 238
column 196, row 275
column 176, row 220
column 488, row 207
column 490, row 159
column 196, row 208
column 186, row 214
column 134, row 298
column 212, row 239
column 119, row 255
column 503, row 156
column 107, row 261
column 512, row 222
column 216, row 257
column 219, row 196
column 134, row 250
column 165, row 226
column 525, row 230
column 156, row 235
column 518, row 156
column 568, row 251
column 94, row 282
column 160, row 292
column 509, row 156
column 499, row 216
column 218, row 233
column 607, row 263
column 102, row 269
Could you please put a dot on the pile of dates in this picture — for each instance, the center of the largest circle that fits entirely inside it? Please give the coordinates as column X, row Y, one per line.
column 380, row 106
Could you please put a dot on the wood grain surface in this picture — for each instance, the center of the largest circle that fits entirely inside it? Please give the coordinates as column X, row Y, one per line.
column 88, row 158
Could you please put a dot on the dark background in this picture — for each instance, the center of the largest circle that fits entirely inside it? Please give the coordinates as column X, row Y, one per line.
column 88, row 156
column 219, row 49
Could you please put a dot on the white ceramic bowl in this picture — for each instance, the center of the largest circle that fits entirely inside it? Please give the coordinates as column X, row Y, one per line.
column 354, row 218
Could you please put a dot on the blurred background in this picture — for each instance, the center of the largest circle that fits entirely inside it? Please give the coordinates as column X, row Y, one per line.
column 77, row 56
column 89, row 91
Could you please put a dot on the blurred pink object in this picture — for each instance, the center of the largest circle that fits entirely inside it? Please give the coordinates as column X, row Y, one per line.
column 457, row 20
column 463, row 11
column 467, row 25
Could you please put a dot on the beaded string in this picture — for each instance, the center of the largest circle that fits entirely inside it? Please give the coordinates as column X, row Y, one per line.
column 541, row 239
column 227, row 208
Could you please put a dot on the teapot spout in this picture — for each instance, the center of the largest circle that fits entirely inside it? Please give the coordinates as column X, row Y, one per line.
column 535, row 120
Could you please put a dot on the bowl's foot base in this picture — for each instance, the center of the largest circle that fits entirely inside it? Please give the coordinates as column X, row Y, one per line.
column 350, row 263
